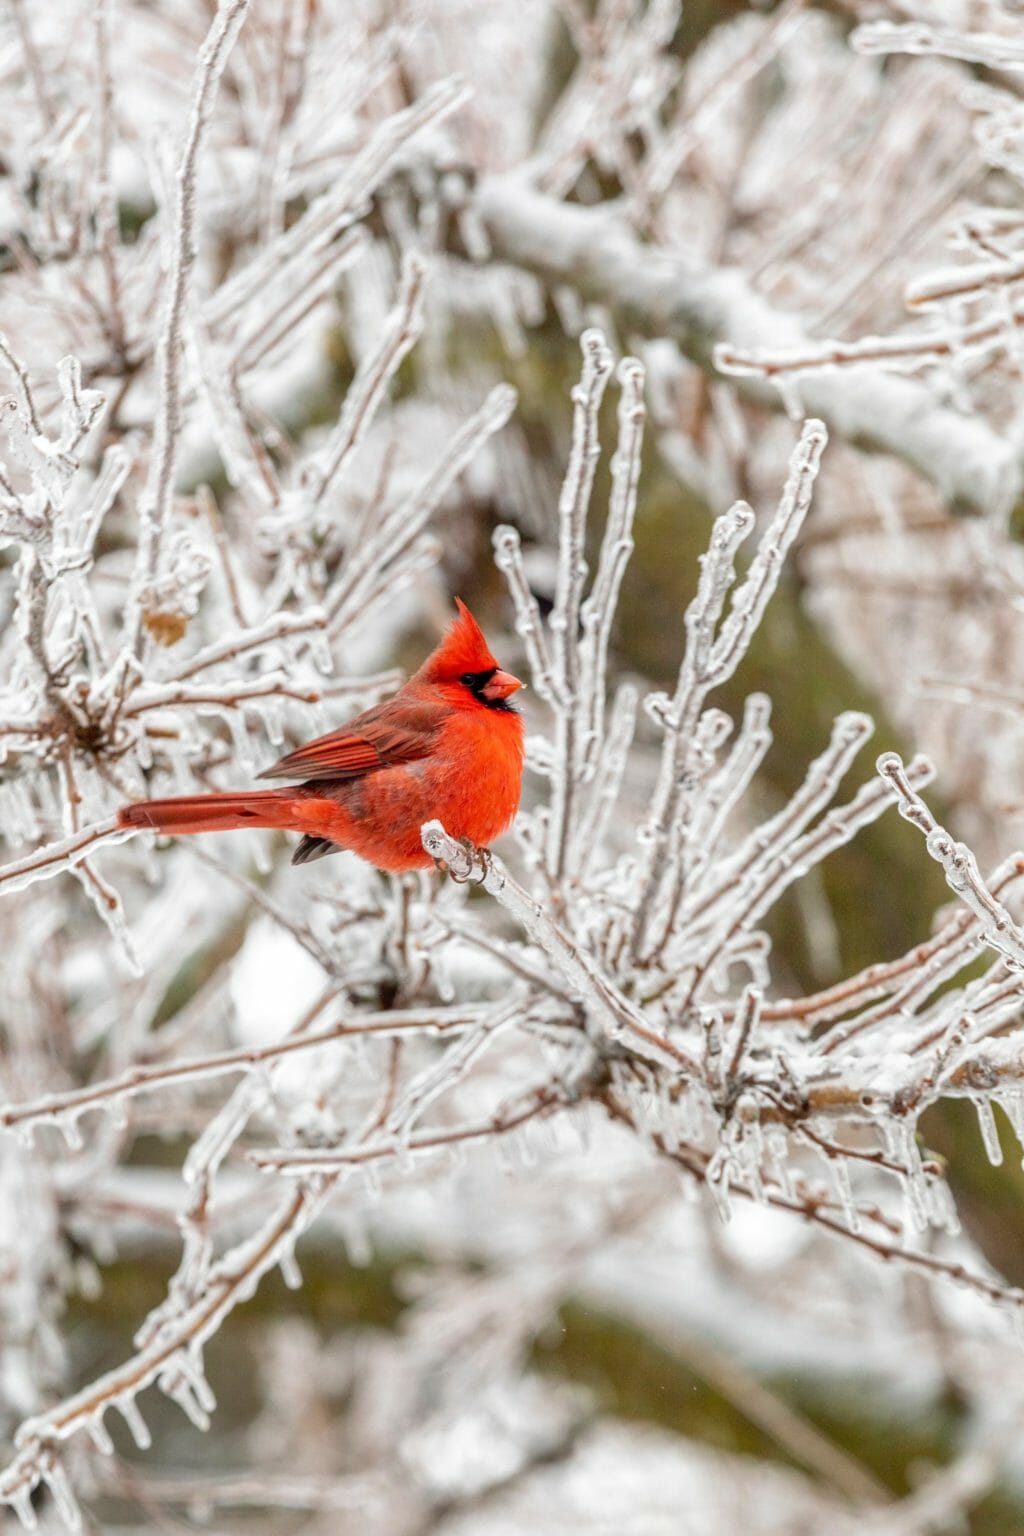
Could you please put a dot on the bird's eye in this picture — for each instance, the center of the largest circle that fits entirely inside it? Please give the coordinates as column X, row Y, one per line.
column 469, row 678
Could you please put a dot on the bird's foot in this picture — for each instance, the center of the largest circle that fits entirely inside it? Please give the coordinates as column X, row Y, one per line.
column 479, row 862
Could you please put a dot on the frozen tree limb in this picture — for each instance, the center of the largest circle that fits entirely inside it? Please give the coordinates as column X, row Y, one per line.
column 656, row 292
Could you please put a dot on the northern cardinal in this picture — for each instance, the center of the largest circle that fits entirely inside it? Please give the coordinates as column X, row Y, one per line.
column 448, row 745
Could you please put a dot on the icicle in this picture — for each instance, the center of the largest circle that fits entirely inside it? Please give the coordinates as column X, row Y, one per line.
column 69, row 1128
column 372, row 1183
column 901, row 1140
column 320, row 650
column 291, row 1274
column 21, row 1503
column 1018, row 1322
column 100, row 1435
column 56, row 1481
column 840, row 1171
column 132, row 1415
column 777, row 1145
column 239, row 728
column 190, row 1364
column 355, row 1236
column 1012, row 1100
column 989, row 1130
column 179, row 1390
column 944, row 1212
column 717, row 1180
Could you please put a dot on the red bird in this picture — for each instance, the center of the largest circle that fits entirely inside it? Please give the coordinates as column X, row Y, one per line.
column 448, row 745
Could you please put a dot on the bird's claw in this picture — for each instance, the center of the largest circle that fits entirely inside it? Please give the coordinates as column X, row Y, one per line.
column 480, row 860
column 477, row 866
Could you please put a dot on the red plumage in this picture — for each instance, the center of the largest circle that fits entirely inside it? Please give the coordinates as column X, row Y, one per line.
column 448, row 745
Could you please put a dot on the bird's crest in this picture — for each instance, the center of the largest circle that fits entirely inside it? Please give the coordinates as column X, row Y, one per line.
column 463, row 649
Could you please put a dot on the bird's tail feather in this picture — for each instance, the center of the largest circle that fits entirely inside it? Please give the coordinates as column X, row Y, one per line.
column 210, row 813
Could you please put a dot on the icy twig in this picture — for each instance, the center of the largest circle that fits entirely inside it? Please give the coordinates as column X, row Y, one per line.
column 598, row 611
column 564, row 623
column 998, row 929
column 298, row 1162
column 714, row 648
column 371, row 380
column 989, row 48
column 153, row 512
column 56, row 858
column 616, row 1013
column 147, row 1079
column 360, row 580
column 508, row 557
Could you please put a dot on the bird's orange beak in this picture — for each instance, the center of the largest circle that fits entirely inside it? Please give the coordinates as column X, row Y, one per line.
column 500, row 686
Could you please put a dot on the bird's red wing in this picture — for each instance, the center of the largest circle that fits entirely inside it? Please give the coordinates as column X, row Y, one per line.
column 380, row 738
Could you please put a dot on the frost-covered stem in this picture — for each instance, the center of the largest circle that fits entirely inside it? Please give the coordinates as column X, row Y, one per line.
column 854, row 992
column 296, row 302
column 508, row 557
column 747, row 1019
column 281, row 627
column 998, row 929
column 668, row 156
column 372, row 379
column 930, row 965
column 106, row 202
column 156, row 501
column 461, row 926
column 20, row 372
column 772, row 841
column 364, row 566
column 731, row 782
column 564, row 623
column 751, row 599
column 709, row 660
column 761, row 894
column 146, row 1079
column 162, row 696
column 912, row 351
column 974, row 47
column 298, row 1163
column 607, row 783
column 329, row 214
column 598, row 612
column 58, row 857
column 717, row 572
column 618, row 1016
column 32, row 64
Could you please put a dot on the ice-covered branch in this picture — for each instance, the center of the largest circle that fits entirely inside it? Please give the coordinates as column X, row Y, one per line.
column 657, row 292
column 615, row 1013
